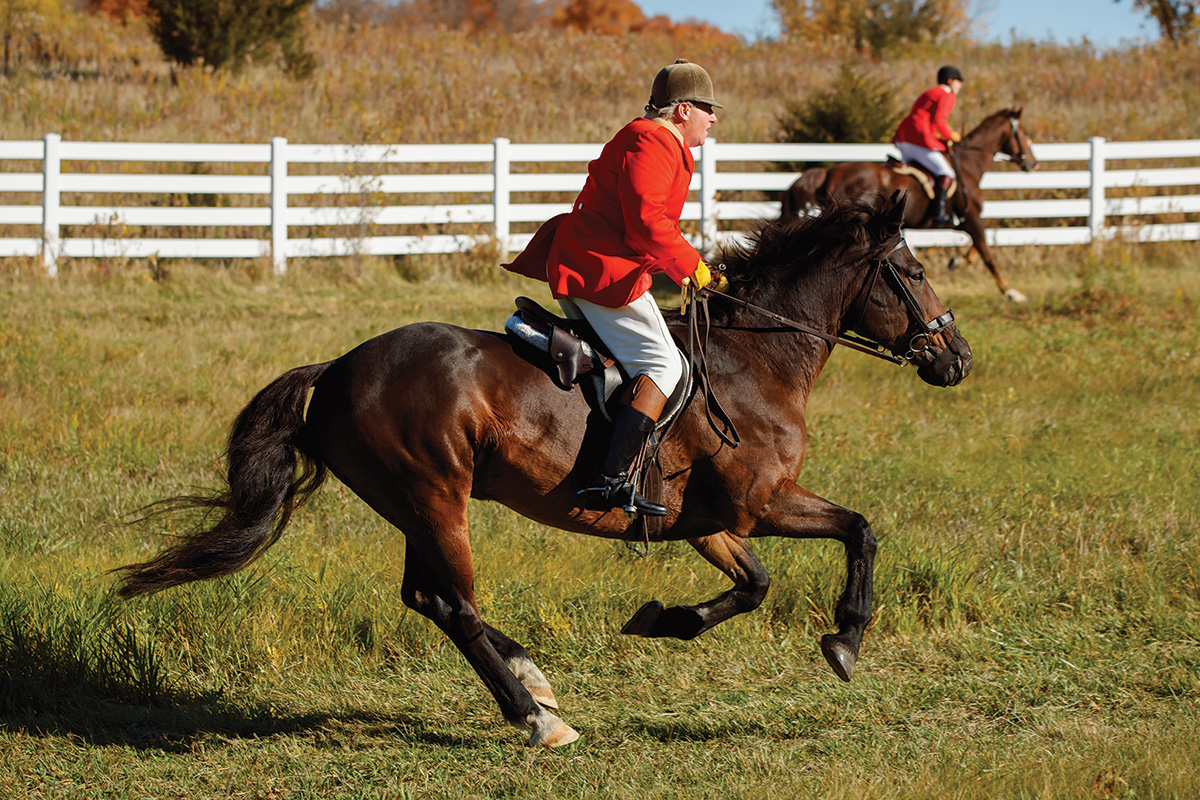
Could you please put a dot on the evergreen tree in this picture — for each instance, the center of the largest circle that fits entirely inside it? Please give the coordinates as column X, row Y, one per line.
column 225, row 33
column 858, row 108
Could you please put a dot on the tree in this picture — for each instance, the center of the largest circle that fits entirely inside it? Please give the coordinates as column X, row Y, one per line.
column 475, row 16
column 120, row 10
column 1178, row 20
column 226, row 33
column 873, row 25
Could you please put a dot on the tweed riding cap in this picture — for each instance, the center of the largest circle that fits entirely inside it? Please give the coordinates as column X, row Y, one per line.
column 682, row 82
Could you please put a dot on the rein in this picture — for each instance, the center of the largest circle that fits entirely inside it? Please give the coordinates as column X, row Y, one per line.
column 1020, row 158
column 697, row 299
column 932, row 327
column 863, row 346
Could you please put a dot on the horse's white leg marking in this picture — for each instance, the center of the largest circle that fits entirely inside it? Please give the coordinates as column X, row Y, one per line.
column 533, row 680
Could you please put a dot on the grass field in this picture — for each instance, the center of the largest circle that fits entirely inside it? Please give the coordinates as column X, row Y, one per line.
column 1038, row 623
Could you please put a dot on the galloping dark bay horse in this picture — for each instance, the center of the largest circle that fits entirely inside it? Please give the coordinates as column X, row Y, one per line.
column 972, row 157
column 419, row 420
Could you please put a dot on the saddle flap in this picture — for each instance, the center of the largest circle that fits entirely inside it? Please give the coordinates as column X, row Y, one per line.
column 564, row 340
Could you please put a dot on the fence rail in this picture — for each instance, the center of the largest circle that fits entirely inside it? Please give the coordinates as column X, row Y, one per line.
column 504, row 180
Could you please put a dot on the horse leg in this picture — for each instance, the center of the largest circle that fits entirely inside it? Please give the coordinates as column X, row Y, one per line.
column 963, row 261
column 439, row 583
column 973, row 225
column 797, row 513
column 521, row 665
column 732, row 555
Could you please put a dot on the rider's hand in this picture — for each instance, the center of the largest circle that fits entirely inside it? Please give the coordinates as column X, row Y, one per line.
column 955, row 137
column 702, row 276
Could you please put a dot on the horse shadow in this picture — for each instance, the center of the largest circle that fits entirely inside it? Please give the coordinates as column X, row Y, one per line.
column 174, row 724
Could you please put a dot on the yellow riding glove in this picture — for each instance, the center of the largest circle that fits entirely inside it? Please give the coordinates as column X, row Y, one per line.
column 955, row 137
column 703, row 278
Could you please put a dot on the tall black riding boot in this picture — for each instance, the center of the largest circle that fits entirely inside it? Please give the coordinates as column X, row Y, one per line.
column 940, row 218
column 612, row 488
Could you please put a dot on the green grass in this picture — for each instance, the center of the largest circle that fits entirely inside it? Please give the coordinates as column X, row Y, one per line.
column 1038, row 625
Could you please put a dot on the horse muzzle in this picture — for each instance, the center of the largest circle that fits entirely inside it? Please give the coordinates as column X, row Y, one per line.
column 950, row 365
column 1027, row 163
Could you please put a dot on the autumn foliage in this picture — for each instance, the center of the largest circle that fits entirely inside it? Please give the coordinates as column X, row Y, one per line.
column 118, row 9
column 615, row 17
column 874, row 25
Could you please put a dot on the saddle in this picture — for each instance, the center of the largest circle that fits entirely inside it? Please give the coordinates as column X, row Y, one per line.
column 577, row 357
column 575, row 352
column 924, row 178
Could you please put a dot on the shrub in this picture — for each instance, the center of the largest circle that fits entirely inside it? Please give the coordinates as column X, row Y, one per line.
column 221, row 34
column 858, row 108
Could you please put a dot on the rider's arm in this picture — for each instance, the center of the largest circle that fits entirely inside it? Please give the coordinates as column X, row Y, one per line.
column 653, row 186
column 941, row 118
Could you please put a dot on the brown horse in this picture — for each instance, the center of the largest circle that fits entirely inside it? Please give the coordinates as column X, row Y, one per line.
column 999, row 133
column 419, row 420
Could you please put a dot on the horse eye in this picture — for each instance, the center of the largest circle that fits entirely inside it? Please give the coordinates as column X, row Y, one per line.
column 918, row 278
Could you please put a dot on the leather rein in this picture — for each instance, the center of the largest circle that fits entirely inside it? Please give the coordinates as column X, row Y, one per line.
column 1021, row 158
column 698, row 299
column 917, row 345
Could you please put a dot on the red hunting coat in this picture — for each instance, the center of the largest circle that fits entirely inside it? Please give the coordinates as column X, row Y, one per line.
column 624, row 226
column 927, row 122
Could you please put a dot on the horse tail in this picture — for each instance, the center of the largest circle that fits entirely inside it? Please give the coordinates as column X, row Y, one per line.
column 263, row 488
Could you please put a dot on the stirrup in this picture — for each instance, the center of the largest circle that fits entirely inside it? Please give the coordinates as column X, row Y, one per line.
column 617, row 492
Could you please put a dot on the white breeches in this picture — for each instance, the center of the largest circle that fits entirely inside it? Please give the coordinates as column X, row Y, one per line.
column 932, row 160
column 636, row 335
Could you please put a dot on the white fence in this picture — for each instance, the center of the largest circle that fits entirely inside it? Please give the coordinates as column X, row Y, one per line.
column 352, row 191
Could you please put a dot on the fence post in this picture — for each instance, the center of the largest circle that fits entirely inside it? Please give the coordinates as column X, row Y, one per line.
column 279, row 204
column 1096, row 166
column 708, row 194
column 501, row 207
column 51, row 169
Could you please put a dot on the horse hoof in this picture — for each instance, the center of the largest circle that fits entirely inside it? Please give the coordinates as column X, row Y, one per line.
column 839, row 655
column 552, row 732
column 1015, row 296
column 642, row 623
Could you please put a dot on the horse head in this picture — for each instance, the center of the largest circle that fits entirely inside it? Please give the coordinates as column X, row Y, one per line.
column 1019, row 145
column 899, row 309
column 849, row 269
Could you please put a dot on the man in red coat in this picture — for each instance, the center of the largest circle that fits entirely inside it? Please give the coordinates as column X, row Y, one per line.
column 600, row 259
column 921, row 137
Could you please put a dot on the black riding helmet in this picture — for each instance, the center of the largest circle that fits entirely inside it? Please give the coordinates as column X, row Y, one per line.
column 949, row 73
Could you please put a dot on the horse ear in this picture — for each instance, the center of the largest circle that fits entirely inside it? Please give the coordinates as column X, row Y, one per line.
column 898, row 201
column 1019, row 110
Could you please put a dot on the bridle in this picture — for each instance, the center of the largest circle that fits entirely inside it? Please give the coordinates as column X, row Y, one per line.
column 1023, row 158
column 718, row 419
column 919, row 344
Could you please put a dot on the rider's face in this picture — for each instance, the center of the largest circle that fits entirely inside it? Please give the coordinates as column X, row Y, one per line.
column 695, row 120
column 955, row 85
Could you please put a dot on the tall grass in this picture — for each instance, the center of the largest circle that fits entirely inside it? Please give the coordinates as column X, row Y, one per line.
column 1037, row 630
column 1036, row 585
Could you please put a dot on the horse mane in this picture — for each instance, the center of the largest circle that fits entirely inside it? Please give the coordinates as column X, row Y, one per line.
column 765, row 267
column 1003, row 114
